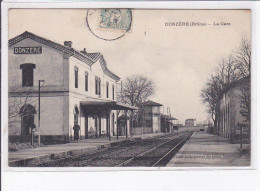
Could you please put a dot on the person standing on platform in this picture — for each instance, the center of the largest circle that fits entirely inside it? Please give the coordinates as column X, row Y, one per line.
column 76, row 129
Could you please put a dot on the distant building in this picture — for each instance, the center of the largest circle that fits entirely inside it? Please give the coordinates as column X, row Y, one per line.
column 151, row 116
column 190, row 122
column 231, row 120
column 167, row 124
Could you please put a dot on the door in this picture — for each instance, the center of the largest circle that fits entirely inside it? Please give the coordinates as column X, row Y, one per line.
column 86, row 126
column 27, row 123
column 107, row 125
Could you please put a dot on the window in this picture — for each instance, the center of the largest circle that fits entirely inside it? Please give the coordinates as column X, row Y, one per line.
column 148, row 123
column 76, row 70
column 98, row 85
column 113, row 92
column 86, row 81
column 107, row 90
column 27, row 74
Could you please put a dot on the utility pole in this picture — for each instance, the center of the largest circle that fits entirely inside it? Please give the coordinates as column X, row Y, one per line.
column 241, row 134
column 117, row 126
column 126, row 132
column 39, row 112
column 108, row 121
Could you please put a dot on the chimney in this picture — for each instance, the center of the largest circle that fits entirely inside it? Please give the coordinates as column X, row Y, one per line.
column 84, row 51
column 68, row 43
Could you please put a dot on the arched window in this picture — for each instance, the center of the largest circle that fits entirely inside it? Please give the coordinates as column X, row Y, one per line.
column 27, row 74
column 76, row 76
column 113, row 92
column 27, row 115
column 86, row 81
column 107, row 85
column 98, row 85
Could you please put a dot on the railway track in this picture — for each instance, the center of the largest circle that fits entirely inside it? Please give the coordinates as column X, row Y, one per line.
column 149, row 152
column 159, row 155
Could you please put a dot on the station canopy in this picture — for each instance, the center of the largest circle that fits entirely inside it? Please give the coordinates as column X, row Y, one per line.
column 106, row 104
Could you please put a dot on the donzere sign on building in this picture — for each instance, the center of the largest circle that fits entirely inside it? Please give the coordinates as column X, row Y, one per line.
column 28, row 50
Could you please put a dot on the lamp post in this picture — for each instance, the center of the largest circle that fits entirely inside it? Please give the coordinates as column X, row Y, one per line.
column 39, row 112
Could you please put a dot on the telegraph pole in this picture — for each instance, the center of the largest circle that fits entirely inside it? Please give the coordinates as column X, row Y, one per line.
column 108, row 121
column 117, row 128
column 39, row 112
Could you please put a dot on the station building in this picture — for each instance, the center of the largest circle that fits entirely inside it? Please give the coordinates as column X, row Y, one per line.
column 167, row 123
column 151, row 118
column 75, row 87
column 153, row 121
column 231, row 121
column 190, row 122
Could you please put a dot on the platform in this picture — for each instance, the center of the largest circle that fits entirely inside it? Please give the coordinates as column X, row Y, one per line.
column 206, row 150
column 34, row 156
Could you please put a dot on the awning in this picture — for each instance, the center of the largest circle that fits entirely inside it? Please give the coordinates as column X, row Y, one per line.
column 122, row 106
column 106, row 104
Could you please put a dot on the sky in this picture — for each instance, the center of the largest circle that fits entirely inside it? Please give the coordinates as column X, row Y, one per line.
column 179, row 59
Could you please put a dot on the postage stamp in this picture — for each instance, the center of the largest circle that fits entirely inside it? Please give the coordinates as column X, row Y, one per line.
column 115, row 19
column 109, row 24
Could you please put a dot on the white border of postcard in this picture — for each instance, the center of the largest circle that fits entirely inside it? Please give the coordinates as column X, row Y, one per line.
column 136, row 5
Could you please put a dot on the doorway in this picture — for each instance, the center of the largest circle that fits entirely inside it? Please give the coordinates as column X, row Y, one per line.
column 27, row 124
column 86, row 126
column 27, row 119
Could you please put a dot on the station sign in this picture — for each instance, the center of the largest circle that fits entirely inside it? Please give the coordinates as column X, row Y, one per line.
column 28, row 50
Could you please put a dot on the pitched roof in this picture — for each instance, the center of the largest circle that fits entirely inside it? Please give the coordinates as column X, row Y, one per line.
column 151, row 103
column 236, row 83
column 190, row 120
column 88, row 58
column 93, row 56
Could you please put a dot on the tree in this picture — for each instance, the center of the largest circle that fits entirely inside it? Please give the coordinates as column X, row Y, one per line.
column 231, row 69
column 226, row 72
column 243, row 65
column 243, row 58
column 134, row 91
column 245, row 101
column 18, row 99
column 210, row 95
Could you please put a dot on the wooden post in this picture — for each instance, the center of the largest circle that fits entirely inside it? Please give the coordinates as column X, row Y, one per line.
column 21, row 129
column 39, row 112
column 241, row 133
column 117, row 127
column 131, row 123
column 108, row 122
column 126, row 124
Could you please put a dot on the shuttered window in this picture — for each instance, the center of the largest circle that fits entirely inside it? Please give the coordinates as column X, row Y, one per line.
column 107, row 89
column 76, row 71
column 86, row 81
column 27, row 74
column 98, row 85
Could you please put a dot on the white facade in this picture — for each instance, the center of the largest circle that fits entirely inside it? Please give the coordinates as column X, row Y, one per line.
column 156, row 119
column 60, row 100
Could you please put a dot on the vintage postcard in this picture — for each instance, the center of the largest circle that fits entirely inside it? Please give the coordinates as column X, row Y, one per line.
column 124, row 87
